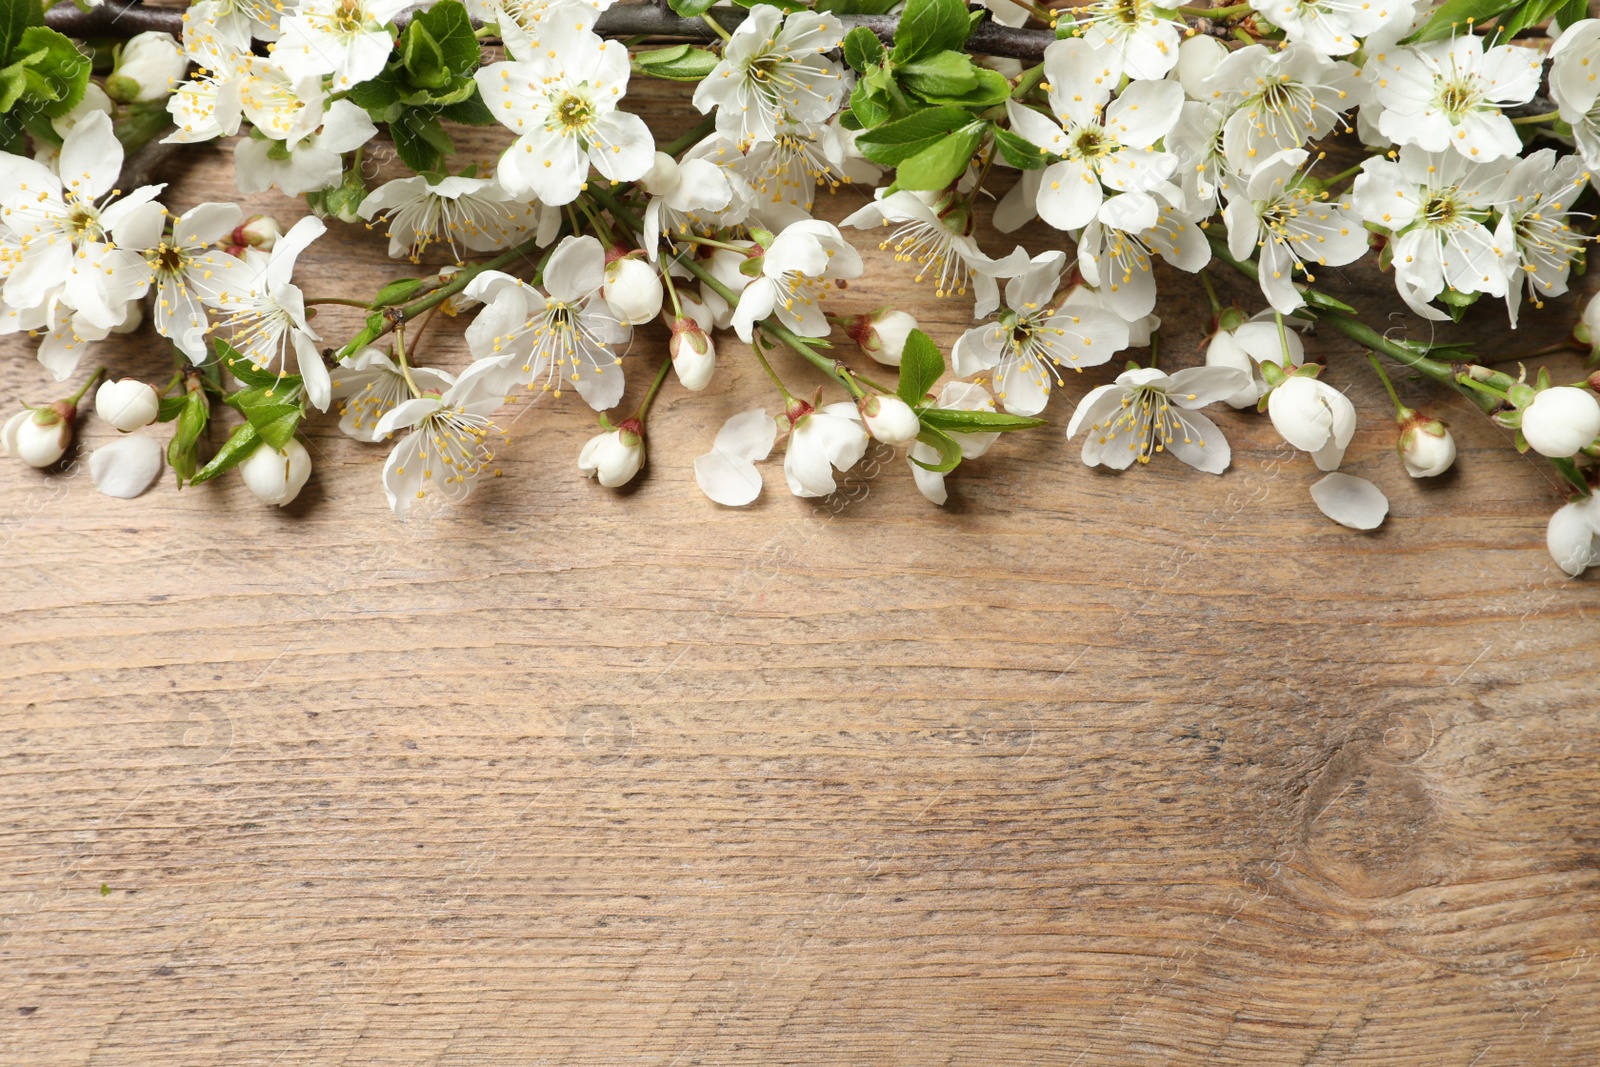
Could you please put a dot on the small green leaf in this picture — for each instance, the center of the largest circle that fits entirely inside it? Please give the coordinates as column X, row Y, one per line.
column 233, row 452
column 247, row 372
column 691, row 9
column 422, row 57
column 940, row 164
column 57, row 74
column 870, row 106
column 862, row 49
column 396, row 292
column 183, row 449
column 171, row 407
column 921, row 365
column 928, row 26
column 274, row 412
column 894, row 142
column 469, row 112
column 856, row 7
column 991, row 88
column 1020, row 153
column 450, row 27
column 683, row 63
column 947, row 73
column 949, row 451
column 15, row 18
column 1454, row 16
column 952, row 420
column 377, row 95
column 419, row 140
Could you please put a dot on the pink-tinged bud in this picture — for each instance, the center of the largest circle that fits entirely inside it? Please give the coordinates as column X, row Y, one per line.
column 694, row 357
column 1425, row 446
column 795, row 409
column 127, row 404
column 614, row 457
column 632, row 290
column 258, row 231
column 276, row 476
column 39, row 436
column 882, row 334
column 889, row 419
column 1561, row 420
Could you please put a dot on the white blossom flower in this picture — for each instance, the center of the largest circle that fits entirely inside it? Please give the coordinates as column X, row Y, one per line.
column 1447, row 95
column 727, row 474
column 632, row 290
column 1561, row 420
column 821, row 442
column 1146, row 411
column 1276, row 100
column 186, row 271
column 1575, row 60
column 1535, row 202
column 458, row 211
column 1314, row 417
column 955, row 396
column 1350, row 501
column 688, row 198
column 1138, row 38
column 1103, row 146
column 1573, row 535
column 368, row 386
column 306, row 166
column 1436, row 204
column 882, row 334
column 266, row 314
column 569, row 335
column 937, row 237
column 561, row 102
column 797, row 273
column 889, row 419
column 1294, row 224
column 522, row 22
column 207, row 106
column 448, row 447
column 1246, row 344
column 235, row 22
column 281, row 107
column 1114, row 253
column 1035, row 339
column 773, row 67
column 1331, row 27
column 1196, row 142
column 784, row 173
column 349, row 39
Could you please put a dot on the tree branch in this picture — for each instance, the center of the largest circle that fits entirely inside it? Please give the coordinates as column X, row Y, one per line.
column 122, row 20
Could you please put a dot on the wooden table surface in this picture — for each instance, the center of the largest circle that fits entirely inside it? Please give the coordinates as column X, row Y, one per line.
column 1084, row 768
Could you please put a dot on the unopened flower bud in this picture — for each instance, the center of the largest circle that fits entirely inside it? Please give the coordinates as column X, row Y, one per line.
column 276, row 476
column 616, row 456
column 890, row 419
column 343, row 201
column 882, row 334
column 1561, row 420
column 39, row 436
column 1425, row 446
column 258, row 231
column 127, row 404
column 632, row 290
column 149, row 66
column 94, row 99
column 695, row 308
column 694, row 356
column 1573, row 535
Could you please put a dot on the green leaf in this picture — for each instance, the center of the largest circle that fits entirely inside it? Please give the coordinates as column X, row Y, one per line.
column 940, row 164
column 781, row 5
column 450, row 27
column 233, row 452
column 952, row 420
column 894, row 142
column 378, row 95
column 274, row 412
column 15, row 18
column 422, row 57
column 12, row 84
column 183, row 449
column 396, row 292
column 862, row 49
column 921, row 365
column 683, row 63
column 870, row 106
column 939, row 74
column 856, row 7
column 990, row 89
column 57, row 73
column 248, row 373
column 928, row 26
column 419, row 140
column 949, row 451
column 469, row 112
column 691, row 9
column 1571, row 12
column 171, row 407
column 1019, row 152
column 1453, row 15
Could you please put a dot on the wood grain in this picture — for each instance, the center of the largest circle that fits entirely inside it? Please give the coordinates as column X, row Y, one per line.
column 1084, row 768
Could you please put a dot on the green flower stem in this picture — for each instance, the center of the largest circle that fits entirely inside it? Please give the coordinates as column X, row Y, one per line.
column 465, row 275
column 1027, row 81
column 694, row 136
column 84, row 388
column 400, row 358
column 831, row 367
column 1529, row 120
column 1211, row 294
column 1399, row 408
column 655, row 387
column 1363, row 334
column 1218, row 14
column 362, row 304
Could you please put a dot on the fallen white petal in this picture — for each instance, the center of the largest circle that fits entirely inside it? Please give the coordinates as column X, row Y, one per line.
column 729, row 480
column 126, row 467
column 1351, row 501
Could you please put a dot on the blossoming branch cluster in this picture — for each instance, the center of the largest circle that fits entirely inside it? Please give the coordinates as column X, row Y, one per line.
column 1193, row 135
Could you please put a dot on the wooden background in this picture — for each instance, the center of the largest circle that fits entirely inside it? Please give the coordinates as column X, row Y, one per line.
column 1084, row 768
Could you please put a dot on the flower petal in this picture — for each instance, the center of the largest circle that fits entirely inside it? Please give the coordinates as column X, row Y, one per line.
column 126, row 467
column 1351, row 501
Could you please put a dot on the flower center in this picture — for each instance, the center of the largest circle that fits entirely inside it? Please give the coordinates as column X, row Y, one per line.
column 1458, row 96
column 346, row 18
column 574, row 112
column 1093, row 142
